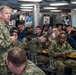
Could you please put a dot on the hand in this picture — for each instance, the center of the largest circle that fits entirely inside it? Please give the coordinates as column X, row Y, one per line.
column 42, row 39
column 44, row 51
column 63, row 54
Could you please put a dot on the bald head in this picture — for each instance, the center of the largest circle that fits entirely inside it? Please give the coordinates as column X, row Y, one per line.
column 16, row 56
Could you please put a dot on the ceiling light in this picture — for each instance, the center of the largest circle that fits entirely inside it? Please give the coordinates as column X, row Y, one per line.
column 74, row 9
column 26, row 10
column 50, row 8
column 27, row 4
column 27, row 7
column 58, row 4
column 55, row 10
column 73, row 2
column 31, row 0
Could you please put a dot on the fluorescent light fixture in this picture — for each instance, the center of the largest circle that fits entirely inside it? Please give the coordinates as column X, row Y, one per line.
column 27, row 7
column 55, row 10
column 27, row 4
column 74, row 9
column 73, row 2
column 50, row 8
column 26, row 10
column 31, row 0
column 58, row 4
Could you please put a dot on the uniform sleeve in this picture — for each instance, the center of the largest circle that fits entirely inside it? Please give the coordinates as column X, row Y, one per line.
column 55, row 50
column 32, row 69
column 34, row 72
column 51, row 50
column 24, row 42
column 5, row 40
column 38, row 72
column 20, row 45
column 68, row 48
column 3, row 68
column 36, row 45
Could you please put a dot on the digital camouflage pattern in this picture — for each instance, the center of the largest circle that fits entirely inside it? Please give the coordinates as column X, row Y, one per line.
column 55, row 48
column 35, row 46
column 30, row 69
column 59, row 62
column 17, row 44
column 38, row 47
column 5, row 40
column 27, row 44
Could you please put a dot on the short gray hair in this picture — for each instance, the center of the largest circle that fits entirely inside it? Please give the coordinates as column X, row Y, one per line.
column 2, row 7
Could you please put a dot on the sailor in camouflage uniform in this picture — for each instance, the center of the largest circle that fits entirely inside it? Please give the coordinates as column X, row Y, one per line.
column 39, row 45
column 17, row 64
column 15, row 41
column 58, row 50
column 34, row 45
column 27, row 43
column 5, row 41
column 27, row 40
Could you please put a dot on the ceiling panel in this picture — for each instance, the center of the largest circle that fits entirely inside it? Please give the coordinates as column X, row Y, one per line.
column 45, row 3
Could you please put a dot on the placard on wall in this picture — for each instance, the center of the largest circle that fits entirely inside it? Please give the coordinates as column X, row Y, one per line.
column 46, row 20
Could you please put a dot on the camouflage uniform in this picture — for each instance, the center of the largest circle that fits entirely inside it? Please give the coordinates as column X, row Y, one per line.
column 30, row 69
column 26, row 44
column 5, row 40
column 59, row 62
column 33, row 45
column 37, row 47
column 27, row 47
column 17, row 44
